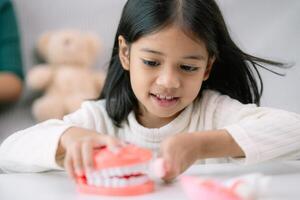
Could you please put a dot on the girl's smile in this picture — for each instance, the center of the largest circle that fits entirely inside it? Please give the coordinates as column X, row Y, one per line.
column 164, row 101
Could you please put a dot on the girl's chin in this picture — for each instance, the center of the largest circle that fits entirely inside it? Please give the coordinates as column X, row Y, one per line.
column 165, row 114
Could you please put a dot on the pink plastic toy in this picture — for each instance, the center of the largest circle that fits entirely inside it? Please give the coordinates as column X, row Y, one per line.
column 123, row 172
column 158, row 168
column 208, row 189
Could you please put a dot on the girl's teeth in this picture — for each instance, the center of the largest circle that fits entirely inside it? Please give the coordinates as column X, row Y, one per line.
column 164, row 97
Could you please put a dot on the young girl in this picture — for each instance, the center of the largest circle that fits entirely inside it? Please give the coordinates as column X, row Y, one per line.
column 176, row 84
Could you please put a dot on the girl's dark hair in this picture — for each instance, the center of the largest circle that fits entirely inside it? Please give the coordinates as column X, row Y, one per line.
column 233, row 73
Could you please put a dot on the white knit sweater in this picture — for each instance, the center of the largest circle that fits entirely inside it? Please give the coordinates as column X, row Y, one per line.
column 262, row 133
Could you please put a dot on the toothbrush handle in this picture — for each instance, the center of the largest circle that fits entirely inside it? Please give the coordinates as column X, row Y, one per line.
column 158, row 167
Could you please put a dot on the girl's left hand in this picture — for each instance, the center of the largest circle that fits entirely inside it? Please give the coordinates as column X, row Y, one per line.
column 179, row 152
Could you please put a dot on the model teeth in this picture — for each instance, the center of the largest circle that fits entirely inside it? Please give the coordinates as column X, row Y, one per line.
column 115, row 177
column 117, row 182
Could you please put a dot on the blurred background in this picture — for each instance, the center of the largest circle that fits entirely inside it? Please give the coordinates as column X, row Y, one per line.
column 264, row 28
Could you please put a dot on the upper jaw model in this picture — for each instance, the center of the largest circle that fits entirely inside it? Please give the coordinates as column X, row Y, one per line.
column 124, row 172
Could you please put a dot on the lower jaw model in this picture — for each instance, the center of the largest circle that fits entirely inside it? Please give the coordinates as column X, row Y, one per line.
column 120, row 173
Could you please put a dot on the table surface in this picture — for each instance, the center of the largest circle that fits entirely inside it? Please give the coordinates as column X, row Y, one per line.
column 284, row 183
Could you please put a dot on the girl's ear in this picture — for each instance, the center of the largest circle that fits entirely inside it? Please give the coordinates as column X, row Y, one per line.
column 210, row 63
column 123, row 52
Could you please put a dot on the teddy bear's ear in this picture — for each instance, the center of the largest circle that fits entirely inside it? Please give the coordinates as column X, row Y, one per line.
column 43, row 44
column 93, row 43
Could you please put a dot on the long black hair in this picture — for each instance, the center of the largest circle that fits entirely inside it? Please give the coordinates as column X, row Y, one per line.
column 233, row 73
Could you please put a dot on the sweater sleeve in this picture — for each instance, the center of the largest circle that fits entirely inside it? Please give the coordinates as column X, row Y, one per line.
column 34, row 149
column 262, row 133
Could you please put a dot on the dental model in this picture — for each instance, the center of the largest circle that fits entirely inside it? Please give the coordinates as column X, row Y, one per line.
column 123, row 172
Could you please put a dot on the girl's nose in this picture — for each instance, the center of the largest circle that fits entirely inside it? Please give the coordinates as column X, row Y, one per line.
column 168, row 78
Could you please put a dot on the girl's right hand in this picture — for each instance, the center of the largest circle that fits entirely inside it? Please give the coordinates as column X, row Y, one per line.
column 77, row 145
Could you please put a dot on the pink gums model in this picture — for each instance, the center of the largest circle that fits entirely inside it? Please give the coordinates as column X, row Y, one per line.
column 208, row 189
column 123, row 172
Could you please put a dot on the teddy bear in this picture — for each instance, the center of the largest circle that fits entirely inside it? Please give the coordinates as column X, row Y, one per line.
column 66, row 79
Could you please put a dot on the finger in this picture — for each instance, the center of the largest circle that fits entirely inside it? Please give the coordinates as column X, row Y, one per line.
column 87, row 156
column 169, row 171
column 113, row 143
column 169, row 166
column 68, row 164
column 158, row 167
column 101, row 140
column 77, row 159
column 165, row 154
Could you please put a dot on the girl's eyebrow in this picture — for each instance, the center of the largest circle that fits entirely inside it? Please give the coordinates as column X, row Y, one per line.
column 193, row 57
column 152, row 51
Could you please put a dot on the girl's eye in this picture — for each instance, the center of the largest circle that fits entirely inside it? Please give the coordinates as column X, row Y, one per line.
column 188, row 68
column 150, row 63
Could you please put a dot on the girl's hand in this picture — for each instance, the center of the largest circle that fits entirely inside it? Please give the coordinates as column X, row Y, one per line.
column 182, row 150
column 77, row 145
column 179, row 152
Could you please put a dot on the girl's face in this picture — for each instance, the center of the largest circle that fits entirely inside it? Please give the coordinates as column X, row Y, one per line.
column 166, row 72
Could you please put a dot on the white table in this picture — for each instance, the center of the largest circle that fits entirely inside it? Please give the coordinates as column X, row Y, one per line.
column 284, row 184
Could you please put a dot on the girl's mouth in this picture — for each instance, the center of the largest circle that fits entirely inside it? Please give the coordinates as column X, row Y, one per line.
column 164, row 100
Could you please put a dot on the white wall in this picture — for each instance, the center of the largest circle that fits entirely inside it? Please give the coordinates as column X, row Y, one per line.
column 271, row 29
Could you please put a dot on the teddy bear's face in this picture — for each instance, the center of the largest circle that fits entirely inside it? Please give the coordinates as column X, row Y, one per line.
column 69, row 47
